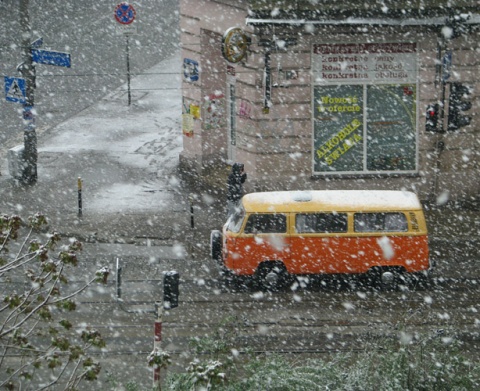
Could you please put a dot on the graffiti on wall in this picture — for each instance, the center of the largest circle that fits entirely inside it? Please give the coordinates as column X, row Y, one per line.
column 190, row 70
column 214, row 111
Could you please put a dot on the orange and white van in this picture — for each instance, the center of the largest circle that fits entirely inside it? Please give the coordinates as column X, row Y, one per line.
column 276, row 234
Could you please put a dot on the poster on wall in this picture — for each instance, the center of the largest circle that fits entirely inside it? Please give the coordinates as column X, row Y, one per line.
column 190, row 70
column 338, row 128
column 214, row 111
column 365, row 108
column 187, row 124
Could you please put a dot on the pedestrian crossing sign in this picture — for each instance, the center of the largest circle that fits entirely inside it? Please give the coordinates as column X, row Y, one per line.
column 15, row 90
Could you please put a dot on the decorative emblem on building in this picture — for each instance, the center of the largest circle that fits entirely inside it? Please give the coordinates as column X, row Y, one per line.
column 234, row 44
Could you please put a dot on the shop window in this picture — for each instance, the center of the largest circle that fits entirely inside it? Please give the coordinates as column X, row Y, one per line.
column 365, row 108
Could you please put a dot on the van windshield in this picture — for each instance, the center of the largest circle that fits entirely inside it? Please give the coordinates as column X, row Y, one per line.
column 234, row 222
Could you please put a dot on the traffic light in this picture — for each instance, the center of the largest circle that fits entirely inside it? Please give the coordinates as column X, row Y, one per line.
column 431, row 120
column 456, row 104
column 170, row 289
column 457, row 25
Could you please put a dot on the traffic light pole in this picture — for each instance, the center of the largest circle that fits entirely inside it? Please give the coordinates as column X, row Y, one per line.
column 29, row 175
column 442, row 107
column 440, row 143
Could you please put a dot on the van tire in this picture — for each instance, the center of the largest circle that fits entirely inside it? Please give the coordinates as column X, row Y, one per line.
column 234, row 282
column 216, row 242
column 272, row 276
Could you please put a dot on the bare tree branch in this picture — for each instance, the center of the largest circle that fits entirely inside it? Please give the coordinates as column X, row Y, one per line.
column 28, row 331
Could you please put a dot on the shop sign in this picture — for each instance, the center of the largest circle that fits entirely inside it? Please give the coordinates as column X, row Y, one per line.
column 234, row 44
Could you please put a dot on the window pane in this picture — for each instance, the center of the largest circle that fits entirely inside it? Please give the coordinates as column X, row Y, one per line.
column 321, row 222
column 235, row 222
column 391, row 127
column 338, row 135
column 266, row 223
column 395, row 222
column 367, row 222
column 374, row 222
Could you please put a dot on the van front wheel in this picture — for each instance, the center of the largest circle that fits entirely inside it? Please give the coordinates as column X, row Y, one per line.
column 272, row 276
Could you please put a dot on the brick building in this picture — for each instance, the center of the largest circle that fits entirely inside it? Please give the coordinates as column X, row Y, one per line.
column 322, row 94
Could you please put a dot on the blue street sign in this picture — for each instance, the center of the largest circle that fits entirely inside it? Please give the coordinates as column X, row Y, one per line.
column 37, row 43
column 446, row 65
column 51, row 58
column 15, row 89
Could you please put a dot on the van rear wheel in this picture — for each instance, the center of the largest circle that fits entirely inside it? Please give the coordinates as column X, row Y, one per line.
column 234, row 282
column 272, row 276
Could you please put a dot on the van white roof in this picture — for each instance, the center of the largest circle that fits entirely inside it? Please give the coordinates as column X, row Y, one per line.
column 331, row 200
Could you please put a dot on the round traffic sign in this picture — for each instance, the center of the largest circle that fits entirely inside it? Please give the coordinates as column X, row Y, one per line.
column 124, row 13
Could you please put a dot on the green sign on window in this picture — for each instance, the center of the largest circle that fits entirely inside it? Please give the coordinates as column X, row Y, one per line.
column 338, row 128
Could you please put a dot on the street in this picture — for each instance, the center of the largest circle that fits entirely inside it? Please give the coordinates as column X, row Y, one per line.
column 316, row 319
column 311, row 322
column 320, row 316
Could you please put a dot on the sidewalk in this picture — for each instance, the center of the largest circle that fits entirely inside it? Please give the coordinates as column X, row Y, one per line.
column 127, row 159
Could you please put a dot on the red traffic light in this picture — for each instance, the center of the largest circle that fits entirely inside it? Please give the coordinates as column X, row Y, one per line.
column 431, row 120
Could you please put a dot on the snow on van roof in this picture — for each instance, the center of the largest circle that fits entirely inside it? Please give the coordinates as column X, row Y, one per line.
column 331, row 200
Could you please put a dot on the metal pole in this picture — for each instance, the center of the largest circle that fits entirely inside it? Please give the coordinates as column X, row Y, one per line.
column 440, row 143
column 157, row 342
column 29, row 175
column 268, row 83
column 192, row 216
column 128, row 72
column 80, row 208
column 119, row 279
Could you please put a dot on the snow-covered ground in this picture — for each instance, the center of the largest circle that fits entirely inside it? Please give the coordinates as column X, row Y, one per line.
column 129, row 152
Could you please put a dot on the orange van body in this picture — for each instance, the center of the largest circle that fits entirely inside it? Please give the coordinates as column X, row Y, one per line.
column 327, row 232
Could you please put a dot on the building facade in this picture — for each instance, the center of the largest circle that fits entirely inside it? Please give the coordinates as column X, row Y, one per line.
column 332, row 95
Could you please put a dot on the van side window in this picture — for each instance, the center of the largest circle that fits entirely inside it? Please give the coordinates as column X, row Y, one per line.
column 321, row 222
column 375, row 222
column 266, row 223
